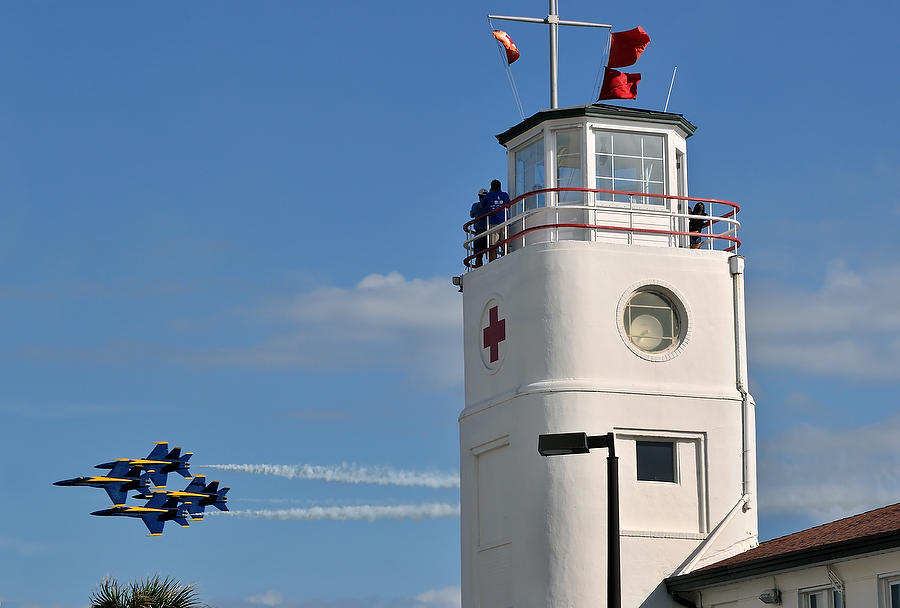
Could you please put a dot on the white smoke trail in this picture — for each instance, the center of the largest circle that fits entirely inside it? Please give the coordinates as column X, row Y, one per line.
column 348, row 473
column 369, row 512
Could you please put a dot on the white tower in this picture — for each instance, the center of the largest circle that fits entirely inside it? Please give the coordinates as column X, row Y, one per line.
column 602, row 317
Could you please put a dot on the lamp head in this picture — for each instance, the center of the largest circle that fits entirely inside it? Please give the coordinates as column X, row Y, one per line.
column 560, row 444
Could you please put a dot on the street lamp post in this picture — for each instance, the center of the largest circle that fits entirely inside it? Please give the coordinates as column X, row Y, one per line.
column 561, row 444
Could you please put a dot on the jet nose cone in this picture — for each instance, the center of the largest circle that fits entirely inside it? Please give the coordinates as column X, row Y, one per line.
column 64, row 482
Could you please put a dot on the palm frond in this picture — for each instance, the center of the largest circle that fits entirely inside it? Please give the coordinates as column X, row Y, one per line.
column 150, row 592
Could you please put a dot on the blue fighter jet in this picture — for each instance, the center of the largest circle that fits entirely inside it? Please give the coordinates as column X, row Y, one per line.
column 155, row 513
column 121, row 479
column 158, row 463
column 196, row 496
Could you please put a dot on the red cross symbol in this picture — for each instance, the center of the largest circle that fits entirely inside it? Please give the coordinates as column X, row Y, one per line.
column 494, row 333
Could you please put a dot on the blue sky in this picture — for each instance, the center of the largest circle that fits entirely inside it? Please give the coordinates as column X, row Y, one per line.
column 232, row 226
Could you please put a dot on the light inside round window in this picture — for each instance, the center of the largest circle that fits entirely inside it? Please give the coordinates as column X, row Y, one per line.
column 651, row 321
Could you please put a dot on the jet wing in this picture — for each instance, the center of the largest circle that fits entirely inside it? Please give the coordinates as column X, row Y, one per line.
column 117, row 495
column 119, row 468
column 154, row 524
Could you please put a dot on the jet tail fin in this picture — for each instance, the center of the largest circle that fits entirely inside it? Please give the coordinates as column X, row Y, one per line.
column 159, row 451
column 220, row 500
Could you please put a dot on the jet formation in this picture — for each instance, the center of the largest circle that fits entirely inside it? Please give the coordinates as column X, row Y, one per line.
column 148, row 477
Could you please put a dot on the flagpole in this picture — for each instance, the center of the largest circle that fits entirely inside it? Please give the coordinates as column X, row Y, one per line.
column 553, row 20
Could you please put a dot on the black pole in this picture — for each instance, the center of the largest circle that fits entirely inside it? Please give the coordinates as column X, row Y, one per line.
column 613, row 555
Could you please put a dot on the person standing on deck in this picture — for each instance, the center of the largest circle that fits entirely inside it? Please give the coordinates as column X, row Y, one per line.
column 480, row 242
column 494, row 200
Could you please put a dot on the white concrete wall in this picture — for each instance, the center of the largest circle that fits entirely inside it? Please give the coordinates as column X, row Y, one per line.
column 533, row 529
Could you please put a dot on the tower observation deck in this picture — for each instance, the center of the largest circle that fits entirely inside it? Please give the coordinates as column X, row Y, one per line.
column 603, row 173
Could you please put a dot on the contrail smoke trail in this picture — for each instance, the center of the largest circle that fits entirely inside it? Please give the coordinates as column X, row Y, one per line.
column 348, row 473
column 369, row 512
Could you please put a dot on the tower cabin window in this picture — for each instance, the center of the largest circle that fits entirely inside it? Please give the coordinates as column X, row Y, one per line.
column 568, row 166
column 656, row 461
column 630, row 162
column 530, row 175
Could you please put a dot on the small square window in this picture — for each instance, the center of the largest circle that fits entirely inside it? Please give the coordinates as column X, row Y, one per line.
column 656, row 461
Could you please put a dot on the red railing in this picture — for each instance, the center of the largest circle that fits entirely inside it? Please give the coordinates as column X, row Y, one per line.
column 718, row 231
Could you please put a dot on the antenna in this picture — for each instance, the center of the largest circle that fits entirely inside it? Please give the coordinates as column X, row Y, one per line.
column 671, row 84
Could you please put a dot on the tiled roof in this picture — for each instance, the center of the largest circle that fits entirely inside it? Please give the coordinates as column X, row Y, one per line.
column 874, row 530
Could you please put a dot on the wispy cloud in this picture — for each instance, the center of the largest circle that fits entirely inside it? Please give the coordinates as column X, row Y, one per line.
column 21, row 547
column 802, row 472
column 448, row 597
column 354, row 512
column 384, row 321
column 269, row 598
column 848, row 326
column 348, row 473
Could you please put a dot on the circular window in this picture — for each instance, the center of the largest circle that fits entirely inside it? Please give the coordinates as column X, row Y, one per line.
column 651, row 321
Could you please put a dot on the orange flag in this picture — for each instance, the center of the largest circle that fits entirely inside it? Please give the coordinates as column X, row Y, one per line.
column 512, row 53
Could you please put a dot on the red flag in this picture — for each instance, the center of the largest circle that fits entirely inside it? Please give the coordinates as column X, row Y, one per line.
column 619, row 85
column 626, row 47
column 512, row 53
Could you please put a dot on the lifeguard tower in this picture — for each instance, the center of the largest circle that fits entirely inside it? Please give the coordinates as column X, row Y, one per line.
column 599, row 317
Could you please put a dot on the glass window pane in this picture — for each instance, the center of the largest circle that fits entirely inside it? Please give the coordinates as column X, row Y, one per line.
column 568, row 142
column 604, row 184
column 653, row 170
column 568, row 165
column 627, row 168
column 656, row 461
column 530, row 168
column 653, row 146
column 895, row 595
column 648, row 298
column 838, row 598
column 602, row 142
column 655, row 188
column 814, row 600
column 627, row 185
column 604, row 166
column 627, row 144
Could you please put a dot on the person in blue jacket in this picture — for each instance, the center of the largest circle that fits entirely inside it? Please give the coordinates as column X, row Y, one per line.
column 480, row 243
column 495, row 200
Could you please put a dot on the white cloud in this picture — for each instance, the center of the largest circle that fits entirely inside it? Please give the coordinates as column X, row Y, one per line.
column 849, row 326
column 824, row 473
column 448, row 597
column 21, row 547
column 269, row 598
column 384, row 321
